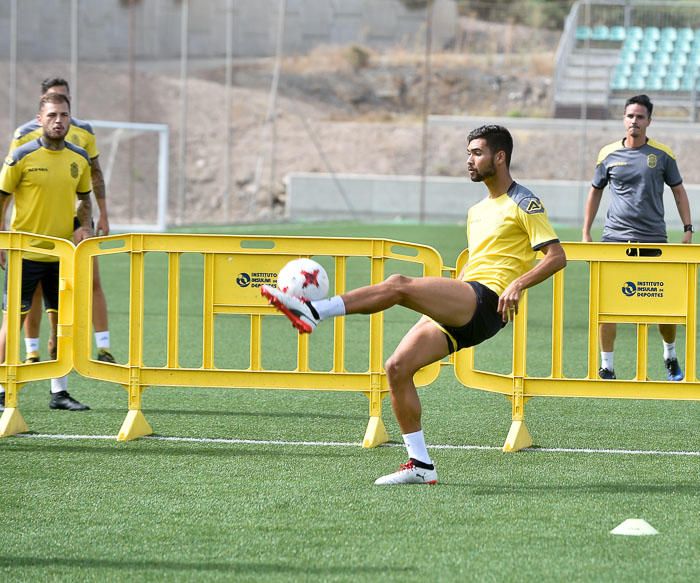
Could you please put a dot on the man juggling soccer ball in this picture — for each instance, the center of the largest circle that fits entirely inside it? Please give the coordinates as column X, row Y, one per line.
column 504, row 232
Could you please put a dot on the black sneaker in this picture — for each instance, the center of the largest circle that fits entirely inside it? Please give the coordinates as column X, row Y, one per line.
column 606, row 374
column 63, row 400
column 673, row 370
column 104, row 355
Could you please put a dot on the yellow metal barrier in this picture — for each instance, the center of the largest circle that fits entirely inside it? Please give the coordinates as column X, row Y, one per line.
column 13, row 373
column 234, row 268
column 641, row 284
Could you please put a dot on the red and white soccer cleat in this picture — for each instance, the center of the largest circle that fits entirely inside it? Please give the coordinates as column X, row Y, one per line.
column 300, row 313
column 408, row 473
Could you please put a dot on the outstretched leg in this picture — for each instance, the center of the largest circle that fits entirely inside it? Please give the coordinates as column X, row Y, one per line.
column 448, row 301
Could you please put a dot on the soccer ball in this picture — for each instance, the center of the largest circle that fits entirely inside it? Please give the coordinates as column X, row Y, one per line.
column 303, row 278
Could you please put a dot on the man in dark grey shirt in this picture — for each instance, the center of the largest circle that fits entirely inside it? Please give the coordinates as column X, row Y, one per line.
column 636, row 170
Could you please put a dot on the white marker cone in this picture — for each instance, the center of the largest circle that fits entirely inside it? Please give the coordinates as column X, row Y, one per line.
column 634, row 527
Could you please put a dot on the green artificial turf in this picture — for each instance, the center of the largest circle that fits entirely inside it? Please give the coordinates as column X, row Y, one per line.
column 287, row 493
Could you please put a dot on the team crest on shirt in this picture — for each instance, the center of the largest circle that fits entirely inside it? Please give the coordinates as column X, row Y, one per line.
column 651, row 160
column 74, row 170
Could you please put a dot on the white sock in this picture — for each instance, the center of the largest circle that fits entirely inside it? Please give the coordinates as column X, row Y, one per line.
column 669, row 350
column 329, row 308
column 607, row 360
column 102, row 339
column 59, row 384
column 415, row 445
column 31, row 344
column 2, row 390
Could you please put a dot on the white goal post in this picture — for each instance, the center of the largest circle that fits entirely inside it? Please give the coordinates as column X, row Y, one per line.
column 135, row 164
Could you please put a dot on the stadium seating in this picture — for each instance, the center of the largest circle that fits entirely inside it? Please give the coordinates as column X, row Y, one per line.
column 663, row 59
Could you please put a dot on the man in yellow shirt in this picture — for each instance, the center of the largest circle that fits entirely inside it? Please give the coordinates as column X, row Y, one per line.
column 504, row 232
column 45, row 175
column 79, row 134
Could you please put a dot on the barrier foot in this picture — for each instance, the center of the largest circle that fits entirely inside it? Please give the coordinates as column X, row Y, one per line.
column 518, row 437
column 134, row 426
column 12, row 422
column 376, row 433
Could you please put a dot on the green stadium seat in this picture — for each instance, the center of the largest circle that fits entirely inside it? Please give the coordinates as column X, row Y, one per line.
column 682, row 46
column 600, row 33
column 658, row 70
column 653, row 83
column 663, row 57
column 640, row 70
column 618, row 33
column 679, row 58
column 583, row 32
column 623, row 70
column 652, row 33
column 630, row 46
column 685, row 34
column 635, row 32
column 671, row 84
column 619, row 83
column 675, row 70
column 693, row 56
column 644, row 57
column 666, row 45
column 668, row 32
column 687, row 83
column 649, row 45
column 637, row 83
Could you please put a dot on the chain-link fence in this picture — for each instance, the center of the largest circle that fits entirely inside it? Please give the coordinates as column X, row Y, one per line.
column 252, row 90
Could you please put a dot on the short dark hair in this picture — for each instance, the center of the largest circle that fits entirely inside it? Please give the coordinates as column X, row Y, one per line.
column 497, row 137
column 47, row 84
column 641, row 100
column 53, row 98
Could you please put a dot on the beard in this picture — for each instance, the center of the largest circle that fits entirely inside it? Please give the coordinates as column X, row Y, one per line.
column 54, row 134
column 480, row 176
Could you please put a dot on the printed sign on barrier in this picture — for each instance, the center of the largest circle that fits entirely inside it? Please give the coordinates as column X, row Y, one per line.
column 238, row 278
column 642, row 289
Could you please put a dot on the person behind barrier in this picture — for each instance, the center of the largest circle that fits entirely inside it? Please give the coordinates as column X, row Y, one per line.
column 504, row 232
column 636, row 169
column 44, row 176
column 80, row 134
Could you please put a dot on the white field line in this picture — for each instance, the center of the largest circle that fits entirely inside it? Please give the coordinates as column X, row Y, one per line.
column 357, row 444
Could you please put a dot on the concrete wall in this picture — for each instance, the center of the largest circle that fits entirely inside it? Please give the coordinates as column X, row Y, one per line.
column 44, row 27
column 313, row 196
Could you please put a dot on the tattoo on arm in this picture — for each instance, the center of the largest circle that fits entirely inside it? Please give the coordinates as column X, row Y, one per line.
column 98, row 181
column 84, row 211
column 4, row 201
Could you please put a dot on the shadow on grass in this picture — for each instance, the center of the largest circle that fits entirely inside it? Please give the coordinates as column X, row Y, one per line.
column 208, row 566
column 284, row 415
column 623, row 488
column 220, row 450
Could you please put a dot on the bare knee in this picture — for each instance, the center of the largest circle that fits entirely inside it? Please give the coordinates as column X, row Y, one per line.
column 398, row 369
column 398, row 284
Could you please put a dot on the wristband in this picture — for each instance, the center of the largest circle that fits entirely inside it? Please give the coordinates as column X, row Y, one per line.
column 688, row 229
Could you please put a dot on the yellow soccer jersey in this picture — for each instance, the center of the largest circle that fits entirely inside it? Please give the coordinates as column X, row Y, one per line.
column 80, row 133
column 503, row 235
column 45, row 183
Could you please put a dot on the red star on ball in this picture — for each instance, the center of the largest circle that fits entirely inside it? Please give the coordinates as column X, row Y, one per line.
column 310, row 278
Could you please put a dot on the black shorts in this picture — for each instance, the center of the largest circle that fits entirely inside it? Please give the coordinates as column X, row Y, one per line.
column 33, row 273
column 484, row 324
